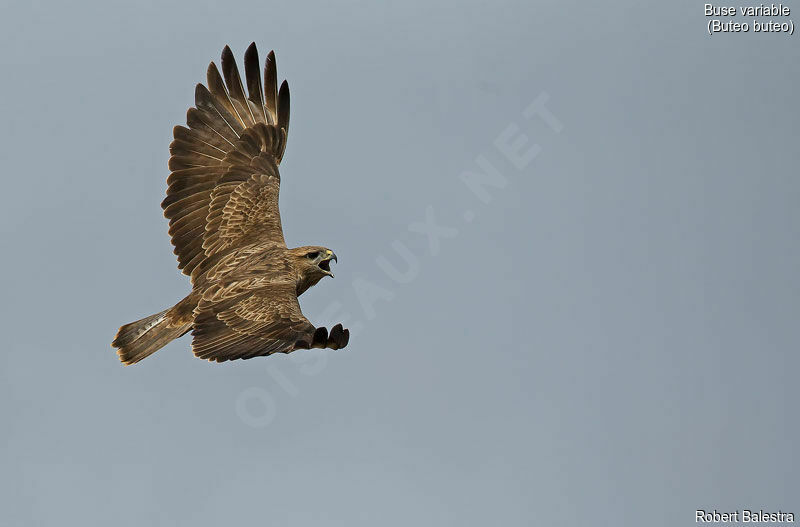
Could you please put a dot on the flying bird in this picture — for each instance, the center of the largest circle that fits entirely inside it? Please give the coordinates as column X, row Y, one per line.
column 222, row 206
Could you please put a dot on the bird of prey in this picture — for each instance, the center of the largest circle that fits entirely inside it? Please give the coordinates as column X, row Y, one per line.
column 222, row 206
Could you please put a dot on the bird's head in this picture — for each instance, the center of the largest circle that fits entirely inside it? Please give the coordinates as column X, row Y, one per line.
column 312, row 263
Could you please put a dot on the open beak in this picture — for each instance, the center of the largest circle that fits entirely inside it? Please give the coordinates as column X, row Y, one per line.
column 325, row 263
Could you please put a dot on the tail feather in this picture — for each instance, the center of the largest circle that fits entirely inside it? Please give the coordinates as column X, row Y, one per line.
column 140, row 339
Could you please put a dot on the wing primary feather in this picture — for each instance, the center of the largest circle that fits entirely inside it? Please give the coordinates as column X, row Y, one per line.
column 271, row 86
column 283, row 106
column 196, row 121
column 335, row 336
column 205, row 102
column 180, row 147
column 320, row 338
column 217, row 88
column 200, row 136
column 234, row 82
column 190, row 176
column 253, row 76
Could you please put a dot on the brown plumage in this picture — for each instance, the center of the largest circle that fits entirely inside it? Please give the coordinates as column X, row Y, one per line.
column 222, row 206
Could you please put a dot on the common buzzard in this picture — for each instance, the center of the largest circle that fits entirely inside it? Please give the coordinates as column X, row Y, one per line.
column 222, row 205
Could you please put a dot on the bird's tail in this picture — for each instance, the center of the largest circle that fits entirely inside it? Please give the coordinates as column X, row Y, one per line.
column 142, row 338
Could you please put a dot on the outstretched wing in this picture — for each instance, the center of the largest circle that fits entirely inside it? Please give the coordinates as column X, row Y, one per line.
column 224, row 186
column 253, row 318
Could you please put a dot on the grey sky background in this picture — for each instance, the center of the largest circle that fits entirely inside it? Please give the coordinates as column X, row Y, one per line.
column 612, row 339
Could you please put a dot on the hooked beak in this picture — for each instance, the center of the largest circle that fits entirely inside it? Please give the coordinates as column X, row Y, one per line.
column 325, row 263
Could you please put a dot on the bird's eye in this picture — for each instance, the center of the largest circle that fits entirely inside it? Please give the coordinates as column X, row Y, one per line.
column 312, row 255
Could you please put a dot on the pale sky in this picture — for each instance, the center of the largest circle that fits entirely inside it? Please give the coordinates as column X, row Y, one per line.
column 600, row 329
